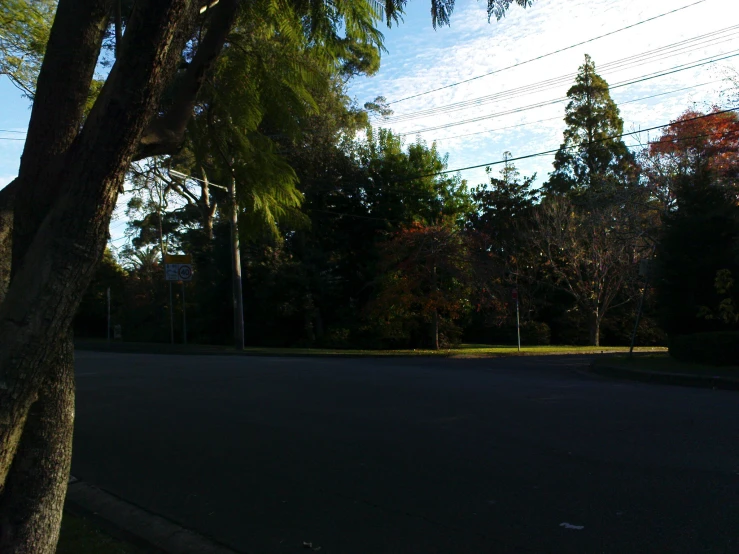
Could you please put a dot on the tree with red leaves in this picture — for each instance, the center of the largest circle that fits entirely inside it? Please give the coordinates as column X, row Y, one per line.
column 695, row 142
column 427, row 276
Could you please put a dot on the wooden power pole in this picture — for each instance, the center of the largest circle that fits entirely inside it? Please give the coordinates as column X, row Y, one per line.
column 238, row 298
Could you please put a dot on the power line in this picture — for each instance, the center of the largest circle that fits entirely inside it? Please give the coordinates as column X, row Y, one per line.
column 548, row 152
column 540, row 154
column 631, row 146
column 560, row 117
column 675, row 69
column 8, row 138
column 637, row 60
column 548, row 54
column 12, row 131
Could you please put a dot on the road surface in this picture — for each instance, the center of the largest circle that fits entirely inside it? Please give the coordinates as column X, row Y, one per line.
column 398, row 455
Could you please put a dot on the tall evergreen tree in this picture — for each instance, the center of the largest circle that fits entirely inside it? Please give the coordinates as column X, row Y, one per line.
column 591, row 156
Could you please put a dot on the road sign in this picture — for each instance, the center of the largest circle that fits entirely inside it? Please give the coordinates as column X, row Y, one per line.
column 185, row 272
column 178, row 272
column 514, row 294
column 178, row 267
column 178, row 259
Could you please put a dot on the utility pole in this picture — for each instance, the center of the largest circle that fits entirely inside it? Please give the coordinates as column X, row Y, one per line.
column 518, row 319
column 238, row 298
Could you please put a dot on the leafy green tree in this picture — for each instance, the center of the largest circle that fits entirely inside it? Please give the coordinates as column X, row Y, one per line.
column 700, row 239
column 499, row 227
column 424, row 285
column 589, row 232
column 590, row 252
column 592, row 155
column 25, row 28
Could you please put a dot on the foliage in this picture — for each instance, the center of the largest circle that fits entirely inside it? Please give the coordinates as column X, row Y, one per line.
column 694, row 142
column 498, row 228
column 424, row 284
column 592, row 156
column 91, row 317
column 379, row 215
column 726, row 311
column 700, row 238
column 25, row 28
column 713, row 348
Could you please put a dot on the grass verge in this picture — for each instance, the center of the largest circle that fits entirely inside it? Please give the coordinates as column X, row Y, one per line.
column 81, row 536
column 662, row 363
column 463, row 351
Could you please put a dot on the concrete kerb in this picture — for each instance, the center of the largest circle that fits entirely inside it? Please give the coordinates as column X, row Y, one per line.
column 664, row 378
column 148, row 531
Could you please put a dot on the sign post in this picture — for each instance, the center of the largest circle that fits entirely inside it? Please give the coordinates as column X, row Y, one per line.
column 514, row 293
column 178, row 267
column 171, row 314
column 108, row 294
column 184, row 316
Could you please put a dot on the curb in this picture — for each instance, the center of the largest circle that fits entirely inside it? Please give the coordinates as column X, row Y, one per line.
column 659, row 377
column 133, row 524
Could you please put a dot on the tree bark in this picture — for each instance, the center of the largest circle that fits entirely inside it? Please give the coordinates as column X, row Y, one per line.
column 57, row 114
column 7, row 201
column 435, row 330
column 65, row 246
column 53, row 227
column 594, row 328
column 33, row 498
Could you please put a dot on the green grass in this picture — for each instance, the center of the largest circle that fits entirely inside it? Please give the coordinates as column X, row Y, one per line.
column 661, row 362
column 464, row 350
column 81, row 536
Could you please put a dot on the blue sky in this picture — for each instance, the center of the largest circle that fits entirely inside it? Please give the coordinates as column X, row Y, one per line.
column 419, row 59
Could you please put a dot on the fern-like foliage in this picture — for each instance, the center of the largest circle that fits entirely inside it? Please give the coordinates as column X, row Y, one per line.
column 279, row 57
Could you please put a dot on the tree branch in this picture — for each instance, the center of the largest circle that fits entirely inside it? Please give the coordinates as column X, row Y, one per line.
column 165, row 134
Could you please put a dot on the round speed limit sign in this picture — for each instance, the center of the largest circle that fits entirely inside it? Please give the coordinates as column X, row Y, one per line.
column 185, row 272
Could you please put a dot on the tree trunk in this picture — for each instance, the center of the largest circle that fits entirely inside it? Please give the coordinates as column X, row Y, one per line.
column 594, row 328
column 33, row 498
column 207, row 208
column 68, row 199
column 7, row 198
column 435, row 338
column 436, row 329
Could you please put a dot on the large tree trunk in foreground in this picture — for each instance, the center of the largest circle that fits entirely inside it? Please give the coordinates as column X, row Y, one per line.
column 33, row 498
column 7, row 201
column 61, row 221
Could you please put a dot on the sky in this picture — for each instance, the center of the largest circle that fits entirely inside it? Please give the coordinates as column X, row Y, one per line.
column 419, row 59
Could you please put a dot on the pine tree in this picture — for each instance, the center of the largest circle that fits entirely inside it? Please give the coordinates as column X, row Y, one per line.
column 591, row 156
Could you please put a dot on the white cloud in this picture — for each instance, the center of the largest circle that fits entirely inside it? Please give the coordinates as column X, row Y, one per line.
column 420, row 60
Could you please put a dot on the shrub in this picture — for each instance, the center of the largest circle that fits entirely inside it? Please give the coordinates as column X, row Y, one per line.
column 337, row 337
column 535, row 333
column 717, row 348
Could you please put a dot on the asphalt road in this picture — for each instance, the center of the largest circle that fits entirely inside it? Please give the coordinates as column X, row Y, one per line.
column 428, row 456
